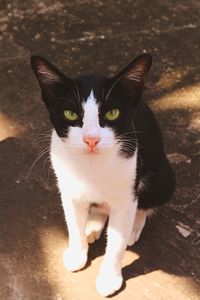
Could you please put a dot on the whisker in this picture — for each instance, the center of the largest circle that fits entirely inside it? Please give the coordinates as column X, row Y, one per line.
column 67, row 99
column 126, row 133
column 41, row 137
column 77, row 91
column 78, row 95
column 41, row 140
column 112, row 87
column 42, row 153
column 50, row 168
column 41, row 133
column 47, row 159
column 128, row 142
column 103, row 92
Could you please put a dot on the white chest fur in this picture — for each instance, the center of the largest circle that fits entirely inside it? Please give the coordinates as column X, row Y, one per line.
column 92, row 177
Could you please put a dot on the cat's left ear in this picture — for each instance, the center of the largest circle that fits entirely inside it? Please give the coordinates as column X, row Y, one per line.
column 46, row 74
column 134, row 74
column 50, row 79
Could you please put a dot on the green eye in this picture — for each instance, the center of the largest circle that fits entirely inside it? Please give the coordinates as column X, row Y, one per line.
column 112, row 114
column 70, row 115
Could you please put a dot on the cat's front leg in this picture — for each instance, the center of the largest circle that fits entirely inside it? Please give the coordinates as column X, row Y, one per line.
column 75, row 256
column 120, row 224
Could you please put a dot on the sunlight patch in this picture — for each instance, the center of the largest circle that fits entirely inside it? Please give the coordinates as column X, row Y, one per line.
column 53, row 243
column 141, row 282
column 171, row 77
column 183, row 98
column 9, row 128
column 194, row 122
column 154, row 285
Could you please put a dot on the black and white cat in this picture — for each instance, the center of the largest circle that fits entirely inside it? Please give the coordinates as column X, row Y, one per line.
column 109, row 160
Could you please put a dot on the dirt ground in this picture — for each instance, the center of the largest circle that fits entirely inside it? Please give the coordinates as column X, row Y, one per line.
column 85, row 36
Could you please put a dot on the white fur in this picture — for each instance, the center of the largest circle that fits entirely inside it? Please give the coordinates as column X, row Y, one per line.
column 138, row 226
column 95, row 223
column 103, row 177
column 139, row 223
column 91, row 125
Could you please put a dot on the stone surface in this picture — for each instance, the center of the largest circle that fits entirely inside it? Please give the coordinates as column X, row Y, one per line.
column 85, row 36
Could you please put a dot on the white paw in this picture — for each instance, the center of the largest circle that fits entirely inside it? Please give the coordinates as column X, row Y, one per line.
column 134, row 237
column 74, row 260
column 94, row 227
column 107, row 283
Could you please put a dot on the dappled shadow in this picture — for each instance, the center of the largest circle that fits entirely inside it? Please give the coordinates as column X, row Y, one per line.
column 101, row 44
column 33, row 231
column 162, row 248
column 24, row 205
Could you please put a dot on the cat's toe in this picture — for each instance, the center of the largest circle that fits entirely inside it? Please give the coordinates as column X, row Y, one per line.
column 74, row 260
column 108, row 284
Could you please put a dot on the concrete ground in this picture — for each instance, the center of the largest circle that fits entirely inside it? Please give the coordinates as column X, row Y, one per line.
column 85, row 36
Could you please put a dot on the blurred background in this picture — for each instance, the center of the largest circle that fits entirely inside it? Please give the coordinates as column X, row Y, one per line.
column 82, row 37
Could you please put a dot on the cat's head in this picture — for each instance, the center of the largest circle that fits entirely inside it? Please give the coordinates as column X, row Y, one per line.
column 93, row 114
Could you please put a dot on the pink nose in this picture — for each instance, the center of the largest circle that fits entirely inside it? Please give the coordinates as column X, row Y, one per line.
column 91, row 141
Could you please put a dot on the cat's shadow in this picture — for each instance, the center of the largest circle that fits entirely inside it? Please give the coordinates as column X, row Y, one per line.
column 160, row 247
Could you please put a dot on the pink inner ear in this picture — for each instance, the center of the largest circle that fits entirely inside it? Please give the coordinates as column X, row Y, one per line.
column 136, row 74
column 47, row 76
column 138, row 69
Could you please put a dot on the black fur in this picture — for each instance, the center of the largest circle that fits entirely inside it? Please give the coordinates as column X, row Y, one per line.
column 136, row 125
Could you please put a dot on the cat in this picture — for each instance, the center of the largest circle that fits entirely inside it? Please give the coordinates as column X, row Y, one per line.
column 108, row 156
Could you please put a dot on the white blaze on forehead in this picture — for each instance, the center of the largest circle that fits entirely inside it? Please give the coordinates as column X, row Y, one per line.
column 91, row 116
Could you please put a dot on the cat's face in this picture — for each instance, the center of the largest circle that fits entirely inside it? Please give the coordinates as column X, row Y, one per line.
column 93, row 114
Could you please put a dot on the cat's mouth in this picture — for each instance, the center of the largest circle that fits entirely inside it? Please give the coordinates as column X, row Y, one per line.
column 98, row 149
column 92, row 151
